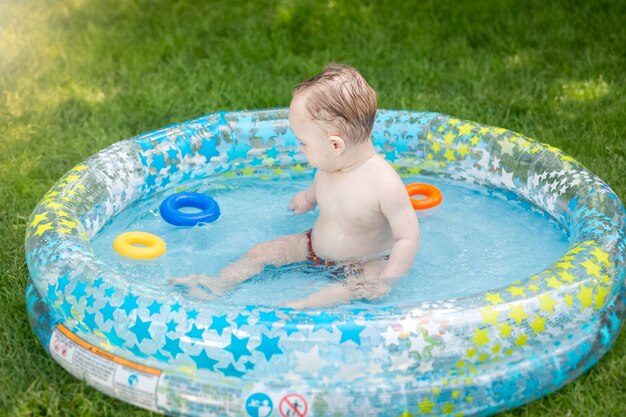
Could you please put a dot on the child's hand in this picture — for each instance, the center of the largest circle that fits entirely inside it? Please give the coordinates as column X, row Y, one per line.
column 299, row 204
column 198, row 285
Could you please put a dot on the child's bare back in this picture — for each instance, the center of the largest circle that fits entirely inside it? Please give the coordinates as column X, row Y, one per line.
column 366, row 225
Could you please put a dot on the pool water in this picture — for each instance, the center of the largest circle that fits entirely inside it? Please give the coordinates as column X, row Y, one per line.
column 477, row 240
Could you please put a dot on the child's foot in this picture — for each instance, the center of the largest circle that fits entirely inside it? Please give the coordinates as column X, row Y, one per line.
column 198, row 285
column 297, row 305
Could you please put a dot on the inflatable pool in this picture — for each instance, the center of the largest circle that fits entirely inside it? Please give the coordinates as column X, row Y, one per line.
column 472, row 354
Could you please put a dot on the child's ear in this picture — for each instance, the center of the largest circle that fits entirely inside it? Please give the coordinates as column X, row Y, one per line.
column 338, row 144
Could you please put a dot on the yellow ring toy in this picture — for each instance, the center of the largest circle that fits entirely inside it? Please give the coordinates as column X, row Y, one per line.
column 151, row 246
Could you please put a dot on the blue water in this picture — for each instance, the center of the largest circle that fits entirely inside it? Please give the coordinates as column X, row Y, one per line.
column 476, row 240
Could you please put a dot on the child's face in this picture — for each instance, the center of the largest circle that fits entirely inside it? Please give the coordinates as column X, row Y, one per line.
column 314, row 141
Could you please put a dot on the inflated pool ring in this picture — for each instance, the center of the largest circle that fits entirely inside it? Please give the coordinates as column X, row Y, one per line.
column 474, row 355
column 431, row 193
column 139, row 245
column 170, row 209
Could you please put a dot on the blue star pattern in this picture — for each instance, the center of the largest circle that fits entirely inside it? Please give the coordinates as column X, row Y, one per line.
column 239, row 151
column 192, row 314
column 155, row 307
column 141, row 329
column 66, row 308
column 158, row 163
column 90, row 321
column 136, row 350
column 79, row 290
column 241, row 320
column 52, row 293
column 268, row 318
column 291, row 326
column 195, row 332
column 114, row 339
column 90, row 300
column 350, row 331
column 219, row 323
column 130, row 304
column 269, row 346
column 62, row 282
column 238, row 347
column 208, row 150
column 203, row 361
column 323, row 321
column 172, row 325
column 172, row 155
column 172, row 346
column 230, row 370
column 107, row 312
column 266, row 132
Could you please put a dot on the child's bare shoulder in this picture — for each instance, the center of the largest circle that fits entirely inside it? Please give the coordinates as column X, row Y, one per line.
column 385, row 175
column 386, row 185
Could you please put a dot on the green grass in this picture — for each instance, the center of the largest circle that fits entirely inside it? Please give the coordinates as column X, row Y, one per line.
column 78, row 75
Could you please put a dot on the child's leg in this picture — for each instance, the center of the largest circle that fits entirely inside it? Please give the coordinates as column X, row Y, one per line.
column 330, row 295
column 362, row 282
column 278, row 252
column 368, row 285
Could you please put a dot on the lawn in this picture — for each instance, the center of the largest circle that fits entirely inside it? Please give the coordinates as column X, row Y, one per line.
column 79, row 75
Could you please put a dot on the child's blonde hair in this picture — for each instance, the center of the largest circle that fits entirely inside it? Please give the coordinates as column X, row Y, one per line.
column 343, row 99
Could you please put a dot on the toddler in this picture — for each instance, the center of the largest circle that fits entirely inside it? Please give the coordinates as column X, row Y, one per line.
column 366, row 226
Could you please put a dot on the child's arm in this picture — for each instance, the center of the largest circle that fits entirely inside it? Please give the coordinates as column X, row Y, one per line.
column 396, row 206
column 304, row 200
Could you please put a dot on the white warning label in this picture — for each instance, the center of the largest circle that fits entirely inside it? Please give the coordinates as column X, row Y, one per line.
column 111, row 374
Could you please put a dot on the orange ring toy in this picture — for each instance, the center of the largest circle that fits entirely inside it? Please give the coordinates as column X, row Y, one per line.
column 432, row 194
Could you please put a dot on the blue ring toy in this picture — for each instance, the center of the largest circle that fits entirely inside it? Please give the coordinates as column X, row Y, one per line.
column 170, row 209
